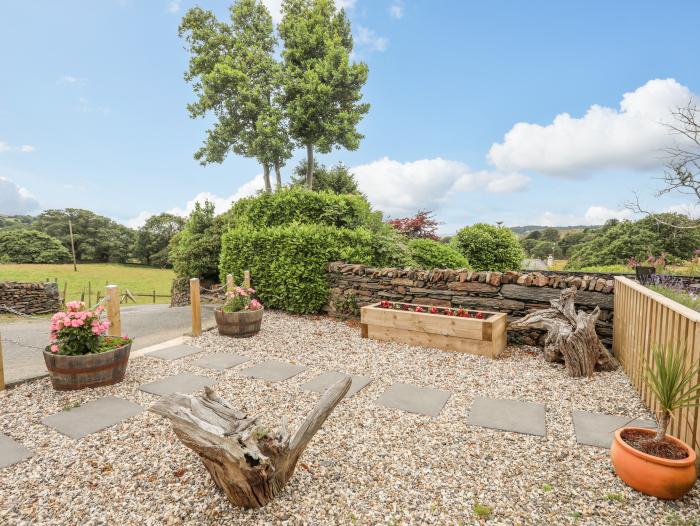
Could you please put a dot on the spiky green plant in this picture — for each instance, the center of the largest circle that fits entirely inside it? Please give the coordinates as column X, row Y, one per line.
column 673, row 384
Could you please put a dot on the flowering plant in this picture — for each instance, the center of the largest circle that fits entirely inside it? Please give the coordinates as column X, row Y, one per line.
column 446, row 311
column 240, row 299
column 77, row 331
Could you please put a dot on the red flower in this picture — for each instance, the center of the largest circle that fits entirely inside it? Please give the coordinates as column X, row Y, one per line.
column 433, row 310
column 468, row 315
column 461, row 313
column 420, row 309
column 479, row 316
column 449, row 312
column 405, row 306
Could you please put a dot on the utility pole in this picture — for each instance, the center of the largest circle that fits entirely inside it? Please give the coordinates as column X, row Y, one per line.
column 72, row 244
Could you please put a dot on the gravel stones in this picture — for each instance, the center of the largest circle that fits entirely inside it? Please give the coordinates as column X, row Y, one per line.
column 367, row 465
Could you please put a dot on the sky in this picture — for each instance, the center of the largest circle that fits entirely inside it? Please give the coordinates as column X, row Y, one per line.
column 538, row 112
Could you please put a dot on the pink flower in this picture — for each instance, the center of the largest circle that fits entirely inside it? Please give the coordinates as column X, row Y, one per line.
column 254, row 305
column 54, row 348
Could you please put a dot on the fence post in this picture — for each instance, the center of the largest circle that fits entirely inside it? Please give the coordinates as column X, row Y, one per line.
column 113, row 313
column 2, row 368
column 229, row 283
column 246, row 279
column 154, row 295
column 196, row 307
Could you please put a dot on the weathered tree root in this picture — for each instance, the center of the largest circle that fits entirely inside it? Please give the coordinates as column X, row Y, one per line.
column 250, row 464
column 571, row 336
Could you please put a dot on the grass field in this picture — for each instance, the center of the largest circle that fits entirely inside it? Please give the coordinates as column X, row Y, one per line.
column 138, row 279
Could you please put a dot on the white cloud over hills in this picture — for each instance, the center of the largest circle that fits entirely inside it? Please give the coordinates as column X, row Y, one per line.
column 14, row 199
column 630, row 138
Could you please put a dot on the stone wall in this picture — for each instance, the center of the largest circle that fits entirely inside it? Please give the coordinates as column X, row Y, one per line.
column 180, row 292
column 515, row 293
column 29, row 298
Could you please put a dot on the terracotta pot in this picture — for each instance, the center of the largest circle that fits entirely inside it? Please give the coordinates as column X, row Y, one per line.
column 241, row 324
column 655, row 476
column 69, row 373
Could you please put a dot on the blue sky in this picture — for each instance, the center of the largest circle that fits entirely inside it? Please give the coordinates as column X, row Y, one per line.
column 466, row 118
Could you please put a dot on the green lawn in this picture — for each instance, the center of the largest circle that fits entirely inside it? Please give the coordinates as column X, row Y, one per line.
column 138, row 279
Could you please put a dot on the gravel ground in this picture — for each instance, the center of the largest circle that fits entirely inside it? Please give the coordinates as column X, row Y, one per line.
column 367, row 465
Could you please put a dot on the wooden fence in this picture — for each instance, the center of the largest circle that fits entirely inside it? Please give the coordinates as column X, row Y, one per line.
column 643, row 318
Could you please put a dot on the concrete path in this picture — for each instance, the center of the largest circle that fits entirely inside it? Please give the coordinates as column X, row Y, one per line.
column 148, row 324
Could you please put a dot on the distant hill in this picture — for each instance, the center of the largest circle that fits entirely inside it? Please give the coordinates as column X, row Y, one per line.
column 523, row 230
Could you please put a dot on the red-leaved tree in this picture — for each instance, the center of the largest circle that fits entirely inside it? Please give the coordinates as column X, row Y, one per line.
column 422, row 225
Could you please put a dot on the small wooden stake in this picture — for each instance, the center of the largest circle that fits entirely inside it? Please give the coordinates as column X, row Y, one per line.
column 229, row 283
column 196, row 307
column 246, row 279
column 113, row 311
column 154, row 295
column 72, row 244
column 2, row 368
column 65, row 291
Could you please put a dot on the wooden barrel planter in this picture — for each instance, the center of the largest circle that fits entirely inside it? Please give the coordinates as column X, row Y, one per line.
column 69, row 373
column 241, row 324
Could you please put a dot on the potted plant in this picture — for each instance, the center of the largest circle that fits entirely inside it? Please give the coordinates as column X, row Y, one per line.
column 81, row 354
column 241, row 315
column 649, row 460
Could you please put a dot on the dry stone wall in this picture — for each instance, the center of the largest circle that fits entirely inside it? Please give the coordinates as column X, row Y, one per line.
column 514, row 293
column 29, row 298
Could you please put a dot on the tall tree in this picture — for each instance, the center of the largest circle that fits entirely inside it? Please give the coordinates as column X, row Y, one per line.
column 153, row 237
column 337, row 179
column 322, row 88
column 237, row 78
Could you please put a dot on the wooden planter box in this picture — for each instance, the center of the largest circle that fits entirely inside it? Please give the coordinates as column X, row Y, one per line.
column 485, row 337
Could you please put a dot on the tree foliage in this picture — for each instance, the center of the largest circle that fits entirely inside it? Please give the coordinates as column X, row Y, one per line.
column 422, row 225
column 97, row 238
column 489, row 247
column 194, row 251
column 30, row 246
column 322, row 88
column 153, row 238
column 338, row 179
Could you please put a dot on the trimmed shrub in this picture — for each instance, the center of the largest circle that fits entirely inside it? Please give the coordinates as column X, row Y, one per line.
column 300, row 205
column 429, row 254
column 489, row 247
column 288, row 263
column 31, row 246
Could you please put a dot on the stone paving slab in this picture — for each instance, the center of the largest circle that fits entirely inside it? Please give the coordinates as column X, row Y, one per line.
column 180, row 383
column 323, row 381
column 221, row 361
column 12, row 452
column 508, row 415
column 92, row 417
column 273, row 371
column 414, row 399
column 175, row 352
column 598, row 429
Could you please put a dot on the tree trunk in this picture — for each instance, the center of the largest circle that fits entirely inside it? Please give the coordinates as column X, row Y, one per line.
column 310, row 166
column 266, row 178
column 250, row 464
column 571, row 336
column 278, row 176
column 661, row 425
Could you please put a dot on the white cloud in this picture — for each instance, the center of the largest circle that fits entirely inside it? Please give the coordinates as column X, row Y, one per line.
column 396, row 9
column 14, row 199
column 174, row 6
column 631, row 137
column 25, row 148
column 370, row 40
column 403, row 188
column 594, row 215
column 275, row 7
column 221, row 204
column 597, row 215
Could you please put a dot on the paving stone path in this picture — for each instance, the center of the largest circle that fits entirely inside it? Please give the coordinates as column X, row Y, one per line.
column 591, row 429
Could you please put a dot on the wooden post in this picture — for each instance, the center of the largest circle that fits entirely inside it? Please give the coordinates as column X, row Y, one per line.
column 65, row 290
column 154, row 295
column 2, row 369
column 196, row 307
column 246, row 279
column 229, row 282
column 72, row 244
column 113, row 313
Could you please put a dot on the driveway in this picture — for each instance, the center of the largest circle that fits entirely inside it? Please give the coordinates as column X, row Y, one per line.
column 22, row 341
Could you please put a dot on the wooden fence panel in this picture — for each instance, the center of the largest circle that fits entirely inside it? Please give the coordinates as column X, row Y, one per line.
column 643, row 318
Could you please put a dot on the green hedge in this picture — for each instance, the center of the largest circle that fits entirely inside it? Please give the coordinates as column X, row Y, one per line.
column 489, row 247
column 429, row 254
column 31, row 246
column 299, row 205
column 288, row 263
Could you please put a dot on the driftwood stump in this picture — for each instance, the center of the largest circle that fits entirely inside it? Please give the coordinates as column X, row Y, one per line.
column 571, row 336
column 250, row 464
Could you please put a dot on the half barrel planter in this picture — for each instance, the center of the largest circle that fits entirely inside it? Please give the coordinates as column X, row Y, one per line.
column 69, row 373
column 486, row 337
column 241, row 324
